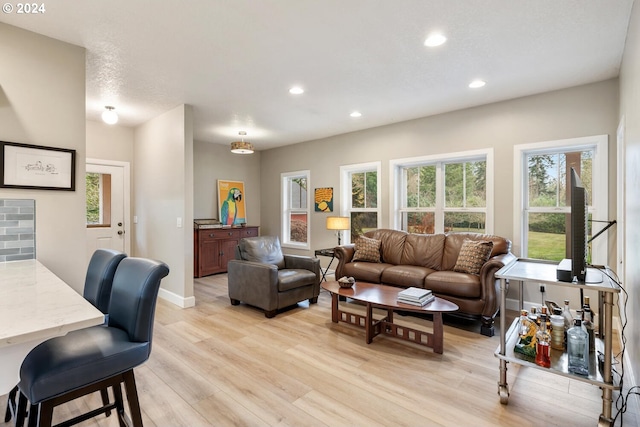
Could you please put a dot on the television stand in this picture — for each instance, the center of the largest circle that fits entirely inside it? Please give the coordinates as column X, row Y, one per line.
column 563, row 273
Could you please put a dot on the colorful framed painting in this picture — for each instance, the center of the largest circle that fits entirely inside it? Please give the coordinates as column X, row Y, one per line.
column 231, row 203
column 323, row 199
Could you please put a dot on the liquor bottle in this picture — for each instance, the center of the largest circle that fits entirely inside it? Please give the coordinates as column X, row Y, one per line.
column 543, row 341
column 533, row 314
column 578, row 349
column 524, row 323
column 568, row 317
column 557, row 332
column 587, row 322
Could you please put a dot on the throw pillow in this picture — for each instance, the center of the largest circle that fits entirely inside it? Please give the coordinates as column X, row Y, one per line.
column 367, row 249
column 473, row 255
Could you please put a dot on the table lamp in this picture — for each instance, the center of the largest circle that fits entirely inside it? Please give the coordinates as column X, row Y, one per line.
column 338, row 223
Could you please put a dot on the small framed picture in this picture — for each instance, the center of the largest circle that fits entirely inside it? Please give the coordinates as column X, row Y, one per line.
column 37, row 167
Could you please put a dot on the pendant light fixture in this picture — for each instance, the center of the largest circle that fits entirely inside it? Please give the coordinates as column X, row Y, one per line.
column 241, row 147
column 109, row 116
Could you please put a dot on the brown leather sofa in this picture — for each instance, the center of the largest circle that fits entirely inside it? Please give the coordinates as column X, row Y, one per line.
column 428, row 261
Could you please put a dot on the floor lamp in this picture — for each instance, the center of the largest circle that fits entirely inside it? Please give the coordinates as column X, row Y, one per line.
column 338, row 223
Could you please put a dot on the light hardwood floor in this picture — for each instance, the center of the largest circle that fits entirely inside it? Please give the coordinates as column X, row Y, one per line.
column 223, row 365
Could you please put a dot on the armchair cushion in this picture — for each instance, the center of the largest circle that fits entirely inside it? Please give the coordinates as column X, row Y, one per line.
column 264, row 249
column 294, row 278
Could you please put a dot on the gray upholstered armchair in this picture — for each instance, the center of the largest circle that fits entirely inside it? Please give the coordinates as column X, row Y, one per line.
column 262, row 276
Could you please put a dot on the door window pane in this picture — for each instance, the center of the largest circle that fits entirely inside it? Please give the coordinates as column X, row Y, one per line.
column 98, row 195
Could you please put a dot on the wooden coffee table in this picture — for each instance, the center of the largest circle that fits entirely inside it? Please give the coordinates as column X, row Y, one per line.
column 386, row 298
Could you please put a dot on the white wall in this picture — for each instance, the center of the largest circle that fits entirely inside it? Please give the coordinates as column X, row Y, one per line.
column 109, row 142
column 630, row 110
column 574, row 112
column 42, row 102
column 163, row 195
column 213, row 162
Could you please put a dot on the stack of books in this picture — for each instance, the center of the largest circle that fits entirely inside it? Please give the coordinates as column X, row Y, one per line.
column 416, row 296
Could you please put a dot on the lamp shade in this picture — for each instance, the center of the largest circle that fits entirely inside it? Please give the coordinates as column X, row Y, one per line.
column 241, row 147
column 338, row 223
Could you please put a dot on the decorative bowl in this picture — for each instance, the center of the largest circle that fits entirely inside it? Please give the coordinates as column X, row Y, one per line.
column 346, row 282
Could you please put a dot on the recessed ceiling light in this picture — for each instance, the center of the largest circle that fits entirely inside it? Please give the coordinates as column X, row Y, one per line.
column 356, row 114
column 296, row 90
column 434, row 40
column 477, row 83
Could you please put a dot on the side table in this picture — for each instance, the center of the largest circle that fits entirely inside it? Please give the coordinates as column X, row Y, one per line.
column 328, row 252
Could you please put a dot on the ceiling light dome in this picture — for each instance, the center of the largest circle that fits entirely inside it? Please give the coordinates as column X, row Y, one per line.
column 241, row 147
column 109, row 116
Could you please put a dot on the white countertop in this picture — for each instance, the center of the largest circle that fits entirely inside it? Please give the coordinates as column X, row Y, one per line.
column 35, row 305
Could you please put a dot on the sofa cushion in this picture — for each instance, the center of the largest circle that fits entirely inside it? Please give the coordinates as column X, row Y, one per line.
column 424, row 250
column 264, row 249
column 454, row 284
column 367, row 250
column 472, row 256
column 365, row 271
column 453, row 244
column 391, row 246
column 405, row 275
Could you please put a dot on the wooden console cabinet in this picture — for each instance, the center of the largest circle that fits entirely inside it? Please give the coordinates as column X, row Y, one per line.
column 214, row 247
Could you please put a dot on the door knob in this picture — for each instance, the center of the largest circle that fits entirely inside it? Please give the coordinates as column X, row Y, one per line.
column 120, row 232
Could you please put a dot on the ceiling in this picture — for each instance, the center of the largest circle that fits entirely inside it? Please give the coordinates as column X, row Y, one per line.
column 235, row 60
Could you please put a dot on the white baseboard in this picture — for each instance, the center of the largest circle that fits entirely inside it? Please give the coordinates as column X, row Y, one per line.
column 176, row 299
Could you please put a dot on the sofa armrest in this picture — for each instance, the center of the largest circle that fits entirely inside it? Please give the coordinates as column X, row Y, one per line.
column 344, row 255
column 490, row 286
column 254, row 283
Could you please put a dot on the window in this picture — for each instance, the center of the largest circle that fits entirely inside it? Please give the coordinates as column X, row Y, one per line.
column 443, row 193
column 98, row 199
column 544, row 208
column 295, row 209
column 360, row 190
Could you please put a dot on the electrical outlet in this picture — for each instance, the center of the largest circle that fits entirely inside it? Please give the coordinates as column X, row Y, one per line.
column 542, row 289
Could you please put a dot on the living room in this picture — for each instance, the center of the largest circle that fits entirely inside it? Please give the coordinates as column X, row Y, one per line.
column 32, row 112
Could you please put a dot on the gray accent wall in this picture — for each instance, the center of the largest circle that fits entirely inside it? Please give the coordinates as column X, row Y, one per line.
column 17, row 229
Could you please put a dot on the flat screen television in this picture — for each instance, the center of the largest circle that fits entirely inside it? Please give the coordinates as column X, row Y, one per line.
column 575, row 268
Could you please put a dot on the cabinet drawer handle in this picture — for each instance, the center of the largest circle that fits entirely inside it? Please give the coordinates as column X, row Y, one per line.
column 211, row 235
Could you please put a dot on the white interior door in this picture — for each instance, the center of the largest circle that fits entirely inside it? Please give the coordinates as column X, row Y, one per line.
column 107, row 206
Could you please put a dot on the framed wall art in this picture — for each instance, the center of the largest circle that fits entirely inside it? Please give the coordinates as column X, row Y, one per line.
column 231, row 203
column 37, row 167
column 323, row 199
